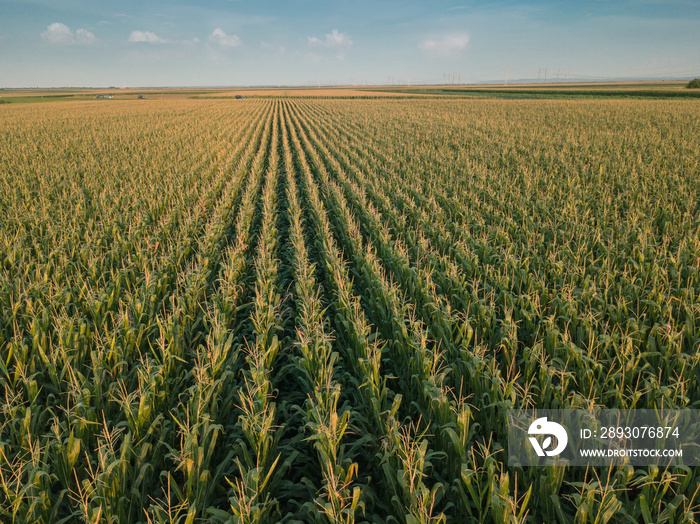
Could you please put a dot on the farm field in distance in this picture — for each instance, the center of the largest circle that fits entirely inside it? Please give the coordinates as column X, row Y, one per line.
column 319, row 308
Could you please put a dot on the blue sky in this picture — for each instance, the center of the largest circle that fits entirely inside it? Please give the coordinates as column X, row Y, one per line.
column 47, row 43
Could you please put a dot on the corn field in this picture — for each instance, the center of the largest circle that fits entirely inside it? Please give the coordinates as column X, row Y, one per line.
column 320, row 310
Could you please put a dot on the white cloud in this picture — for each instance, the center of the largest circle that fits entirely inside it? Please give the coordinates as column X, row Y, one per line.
column 60, row 34
column 450, row 46
column 219, row 37
column 333, row 40
column 148, row 37
column 84, row 37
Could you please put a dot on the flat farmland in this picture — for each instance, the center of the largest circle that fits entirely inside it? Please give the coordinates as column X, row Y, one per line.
column 301, row 309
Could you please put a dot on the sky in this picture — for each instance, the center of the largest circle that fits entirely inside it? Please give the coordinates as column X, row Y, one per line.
column 80, row 43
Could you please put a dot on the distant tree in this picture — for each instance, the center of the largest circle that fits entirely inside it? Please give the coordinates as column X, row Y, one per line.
column 693, row 84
